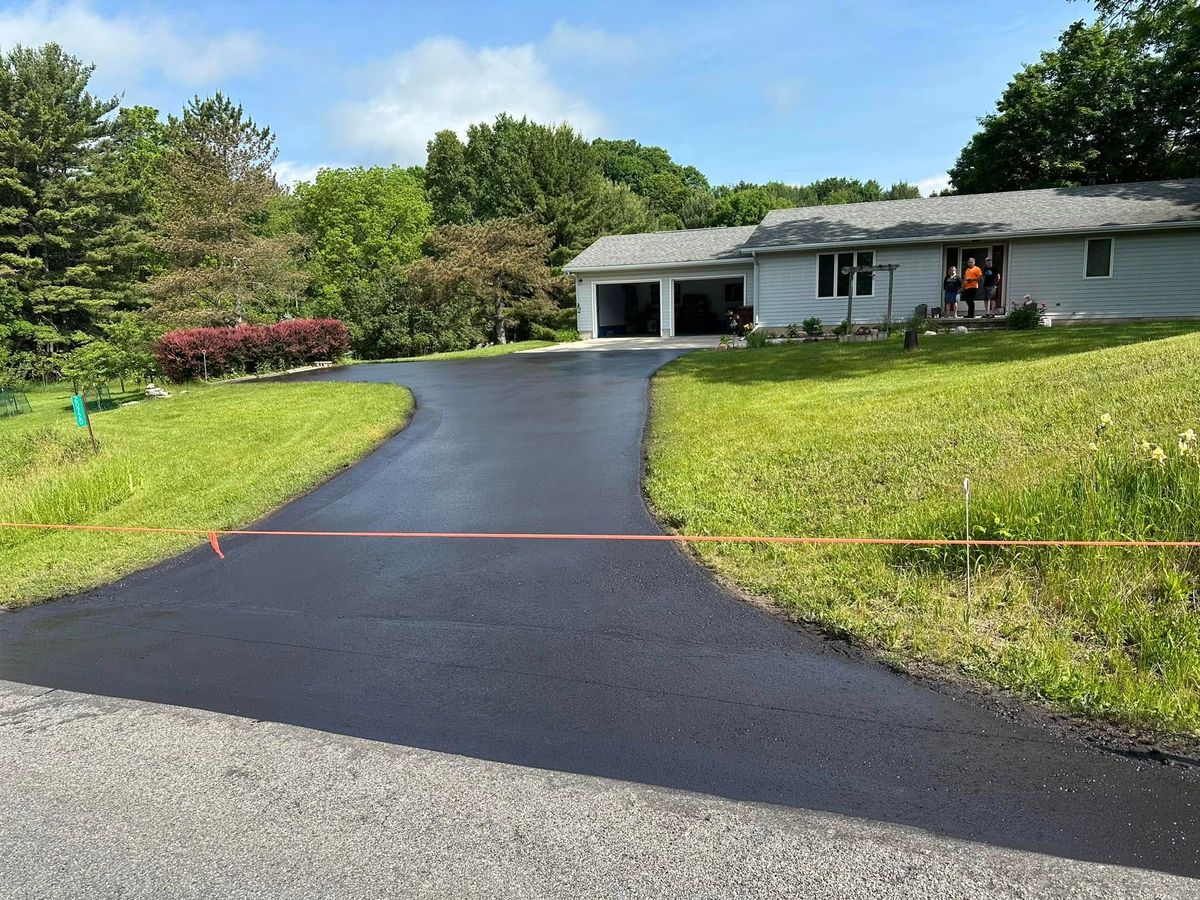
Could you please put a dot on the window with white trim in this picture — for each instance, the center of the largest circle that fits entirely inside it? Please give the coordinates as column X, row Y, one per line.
column 832, row 284
column 1098, row 258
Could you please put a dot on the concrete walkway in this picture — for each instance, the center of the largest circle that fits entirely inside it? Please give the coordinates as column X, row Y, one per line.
column 118, row 798
column 600, row 345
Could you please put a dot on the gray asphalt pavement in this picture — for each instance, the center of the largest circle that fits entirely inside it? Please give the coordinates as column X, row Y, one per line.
column 119, row 798
column 610, row 660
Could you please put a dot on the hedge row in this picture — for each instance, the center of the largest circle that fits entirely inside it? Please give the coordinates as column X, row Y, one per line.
column 248, row 349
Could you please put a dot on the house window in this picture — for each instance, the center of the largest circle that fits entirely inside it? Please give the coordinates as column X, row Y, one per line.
column 831, row 283
column 1098, row 258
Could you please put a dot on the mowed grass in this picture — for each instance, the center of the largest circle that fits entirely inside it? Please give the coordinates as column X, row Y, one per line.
column 866, row 440
column 477, row 353
column 208, row 457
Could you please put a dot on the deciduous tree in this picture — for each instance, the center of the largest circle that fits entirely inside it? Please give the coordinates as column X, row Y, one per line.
column 357, row 224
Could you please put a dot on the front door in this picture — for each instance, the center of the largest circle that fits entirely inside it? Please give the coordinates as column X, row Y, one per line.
column 958, row 256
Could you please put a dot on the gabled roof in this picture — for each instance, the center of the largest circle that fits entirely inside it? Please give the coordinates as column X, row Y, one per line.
column 660, row 247
column 1053, row 210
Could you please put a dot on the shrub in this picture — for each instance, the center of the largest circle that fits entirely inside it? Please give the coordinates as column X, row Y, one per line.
column 843, row 327
column 812, row 326
column 916, row 322
column 756, row 339
column 1027, row 315
column 566, row 335
column 793, row 331
column 249, row 349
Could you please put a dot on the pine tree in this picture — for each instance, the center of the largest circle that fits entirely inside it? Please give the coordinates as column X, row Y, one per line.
column 214, row 204
column 65, row 230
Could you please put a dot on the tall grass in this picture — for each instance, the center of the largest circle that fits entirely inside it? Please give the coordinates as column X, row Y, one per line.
column 864, row 440
column 1126, row 620
column 215, row 457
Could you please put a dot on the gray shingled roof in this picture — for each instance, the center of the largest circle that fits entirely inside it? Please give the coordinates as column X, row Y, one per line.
column 696, row 245
column 1011, row 212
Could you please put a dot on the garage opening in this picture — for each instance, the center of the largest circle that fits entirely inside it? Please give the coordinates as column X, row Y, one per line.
column 627, row 309
column 711, row 305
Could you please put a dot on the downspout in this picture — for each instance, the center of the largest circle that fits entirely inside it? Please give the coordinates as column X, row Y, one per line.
column 754, row 256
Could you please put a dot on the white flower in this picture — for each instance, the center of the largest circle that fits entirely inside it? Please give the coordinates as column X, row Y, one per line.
column 1105, row 420
column 1188, row 437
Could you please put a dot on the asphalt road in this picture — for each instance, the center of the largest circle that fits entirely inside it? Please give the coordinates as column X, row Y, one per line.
column 608, row 659
column 192, row 804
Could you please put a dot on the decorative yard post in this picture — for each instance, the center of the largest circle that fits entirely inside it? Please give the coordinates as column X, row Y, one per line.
column 852, row 271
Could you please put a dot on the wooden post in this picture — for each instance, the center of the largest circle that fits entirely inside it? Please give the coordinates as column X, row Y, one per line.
column 888, row 321
column 87, row 417
column 850, row 302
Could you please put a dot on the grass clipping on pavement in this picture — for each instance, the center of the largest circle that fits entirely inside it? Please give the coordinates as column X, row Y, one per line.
column 1066, row 433
column 210, row 457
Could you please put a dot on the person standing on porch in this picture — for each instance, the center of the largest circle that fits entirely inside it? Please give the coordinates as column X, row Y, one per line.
column 970, row 291
column 991, row 285
column 950, row 288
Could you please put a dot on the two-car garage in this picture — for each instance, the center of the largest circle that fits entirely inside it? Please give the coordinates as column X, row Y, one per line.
column 682, row 283
column 711, row 305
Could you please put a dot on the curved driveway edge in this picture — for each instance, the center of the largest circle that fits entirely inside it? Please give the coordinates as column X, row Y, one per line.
column 624, row 661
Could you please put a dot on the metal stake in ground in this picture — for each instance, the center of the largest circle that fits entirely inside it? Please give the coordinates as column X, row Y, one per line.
column 967, row 506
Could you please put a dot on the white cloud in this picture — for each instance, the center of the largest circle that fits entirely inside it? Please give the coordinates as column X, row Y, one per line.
column 933, row 184
column 124, row 47
column 589, row 45
column 289, row 174
column 442, row 83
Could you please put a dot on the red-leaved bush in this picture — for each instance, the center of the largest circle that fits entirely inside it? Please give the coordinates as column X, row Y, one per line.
column 249, row 348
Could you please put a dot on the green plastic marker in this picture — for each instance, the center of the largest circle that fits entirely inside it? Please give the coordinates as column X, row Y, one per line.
column 81, row 416
column 82, row 419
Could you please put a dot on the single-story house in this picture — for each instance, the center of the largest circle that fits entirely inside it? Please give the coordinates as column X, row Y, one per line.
column 1104, row 252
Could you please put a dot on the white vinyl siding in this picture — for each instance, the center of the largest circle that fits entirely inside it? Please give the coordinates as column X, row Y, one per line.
column 787, row 290
column 584, row 284
column 1153, row 276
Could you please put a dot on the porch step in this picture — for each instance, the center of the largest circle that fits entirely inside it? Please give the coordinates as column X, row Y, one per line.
column 974, row 324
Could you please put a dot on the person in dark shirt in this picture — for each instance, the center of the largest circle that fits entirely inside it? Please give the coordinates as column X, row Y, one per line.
column 991, row 285
column 950, row 288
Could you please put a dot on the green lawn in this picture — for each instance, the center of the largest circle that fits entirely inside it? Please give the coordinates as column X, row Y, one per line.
column 208, row 457
column 865, row 440
column 479, row 353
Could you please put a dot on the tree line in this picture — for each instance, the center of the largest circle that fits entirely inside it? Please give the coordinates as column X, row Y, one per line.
column 1117, row 100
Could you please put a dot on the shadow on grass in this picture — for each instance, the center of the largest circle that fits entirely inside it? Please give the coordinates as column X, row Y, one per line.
column 832, row 361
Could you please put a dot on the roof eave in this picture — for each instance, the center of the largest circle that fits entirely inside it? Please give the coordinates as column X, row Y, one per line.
column 949, row 238
column 743, row 261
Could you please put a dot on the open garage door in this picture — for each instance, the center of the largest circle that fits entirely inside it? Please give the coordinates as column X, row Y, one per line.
column 710, row 305
column 628, row 309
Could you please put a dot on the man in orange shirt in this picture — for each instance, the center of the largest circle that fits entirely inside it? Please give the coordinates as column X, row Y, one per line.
column 970, row 288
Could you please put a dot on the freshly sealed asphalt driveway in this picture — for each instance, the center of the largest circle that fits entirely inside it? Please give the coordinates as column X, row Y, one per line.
column 616, row 659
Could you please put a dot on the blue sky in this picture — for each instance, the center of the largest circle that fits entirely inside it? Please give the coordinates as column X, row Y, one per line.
column 751, row 90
